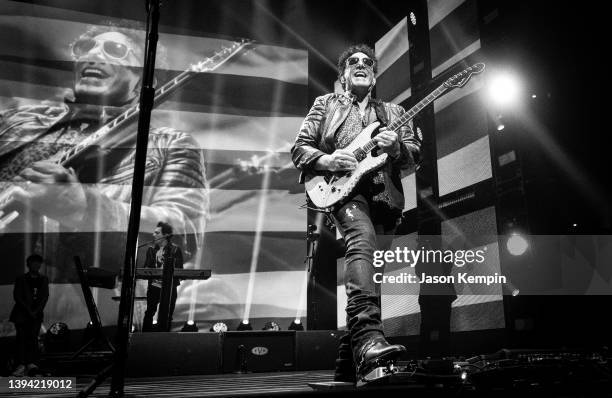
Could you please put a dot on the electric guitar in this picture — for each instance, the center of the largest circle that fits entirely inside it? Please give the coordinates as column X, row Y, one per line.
column 113, row 134
column 327, row 189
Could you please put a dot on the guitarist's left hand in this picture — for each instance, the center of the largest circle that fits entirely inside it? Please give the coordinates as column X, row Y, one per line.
column 388, row 141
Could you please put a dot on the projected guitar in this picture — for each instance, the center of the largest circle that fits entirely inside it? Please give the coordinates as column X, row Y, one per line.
column 113, row 135
column 326, row 189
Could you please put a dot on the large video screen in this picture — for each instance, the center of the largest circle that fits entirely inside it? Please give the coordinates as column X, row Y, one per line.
column 463, row 159
column 217, row 167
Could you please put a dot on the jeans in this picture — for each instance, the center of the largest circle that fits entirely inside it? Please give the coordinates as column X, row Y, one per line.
column 153, row 298
column 363, row 315
column 27, row 342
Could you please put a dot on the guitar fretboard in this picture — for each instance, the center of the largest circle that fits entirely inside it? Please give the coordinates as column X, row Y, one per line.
column 400, row 121
column 406, row 117
column 131, row 113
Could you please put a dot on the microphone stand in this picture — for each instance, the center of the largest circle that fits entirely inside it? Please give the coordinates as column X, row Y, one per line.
column 312, row 238
column 147, row 93
column 124, row 319
column 151, row 241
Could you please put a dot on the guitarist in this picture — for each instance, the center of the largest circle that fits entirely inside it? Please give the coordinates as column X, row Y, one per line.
column 375, row 206
column 89, row 206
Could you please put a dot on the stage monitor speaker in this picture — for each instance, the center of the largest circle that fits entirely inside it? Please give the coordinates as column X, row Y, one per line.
column 317, row 349
column 261, row 351
column 173, row 354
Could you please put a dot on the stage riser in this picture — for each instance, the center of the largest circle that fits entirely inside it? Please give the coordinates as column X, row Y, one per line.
column 173, row 354
column 262, row 351
column 169, row 354
column 317, row 349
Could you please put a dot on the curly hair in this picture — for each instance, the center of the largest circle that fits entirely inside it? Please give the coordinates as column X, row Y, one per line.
column 357, row 48
column 166, row 228
column 133, row 30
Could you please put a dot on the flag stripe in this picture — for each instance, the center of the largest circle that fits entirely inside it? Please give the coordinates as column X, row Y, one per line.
column 242, row 119
column 206, row 92
column 231, row 251
column 455, row 32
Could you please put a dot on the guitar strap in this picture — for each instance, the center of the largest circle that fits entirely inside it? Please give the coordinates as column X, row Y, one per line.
column 379, row 108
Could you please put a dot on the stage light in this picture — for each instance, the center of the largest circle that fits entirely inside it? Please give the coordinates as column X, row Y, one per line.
column 534, row 96
column 499, row 123
column 413, row 19
column 219, row 327
column 58, row 330
column 244, row 325
column 189, row 326
column 463, row 376
column 154, row 321
column 517, row 244
column 271, row 326
column 296, row 325
column 57, row 337
column 504, row 89
column 89, row 331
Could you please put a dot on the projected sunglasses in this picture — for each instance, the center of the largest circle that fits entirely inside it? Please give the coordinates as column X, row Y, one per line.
column 369, row 62
column 110, row 48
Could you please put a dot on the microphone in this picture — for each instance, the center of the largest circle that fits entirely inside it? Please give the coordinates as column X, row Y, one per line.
column 152, row 241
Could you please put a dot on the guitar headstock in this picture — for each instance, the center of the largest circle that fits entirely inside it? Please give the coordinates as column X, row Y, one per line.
column 461, row 78
column 225, row 52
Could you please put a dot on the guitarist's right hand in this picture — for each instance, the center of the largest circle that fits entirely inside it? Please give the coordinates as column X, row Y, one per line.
column 338, row 161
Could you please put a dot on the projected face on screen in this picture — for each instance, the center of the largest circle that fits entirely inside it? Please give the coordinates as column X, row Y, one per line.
column 106, row 68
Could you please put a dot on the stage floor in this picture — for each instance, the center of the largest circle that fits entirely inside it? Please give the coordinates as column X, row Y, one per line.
column 221, row 385
column 295, row 384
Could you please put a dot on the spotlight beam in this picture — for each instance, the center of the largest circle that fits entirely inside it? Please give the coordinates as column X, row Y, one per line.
column 261, row 213
column 310, row 47
column 302, row 301
column 378, row 13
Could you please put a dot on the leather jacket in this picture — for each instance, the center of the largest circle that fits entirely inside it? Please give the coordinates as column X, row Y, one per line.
column 316, row 138
column 175, row 186
column 171, row 253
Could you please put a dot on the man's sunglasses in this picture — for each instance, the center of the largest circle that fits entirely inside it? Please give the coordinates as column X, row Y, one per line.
column 110, row 48
column 369, row 62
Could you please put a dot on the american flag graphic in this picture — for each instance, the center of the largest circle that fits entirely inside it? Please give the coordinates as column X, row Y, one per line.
column 243, row 117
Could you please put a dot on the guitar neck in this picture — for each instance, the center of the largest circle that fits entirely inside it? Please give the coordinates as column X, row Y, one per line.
column 406, row 117
column 161, row 93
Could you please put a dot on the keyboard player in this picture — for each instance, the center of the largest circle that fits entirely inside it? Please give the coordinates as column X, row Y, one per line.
column 164, row 252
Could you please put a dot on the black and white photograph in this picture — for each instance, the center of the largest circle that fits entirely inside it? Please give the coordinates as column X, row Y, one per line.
column 261, row 198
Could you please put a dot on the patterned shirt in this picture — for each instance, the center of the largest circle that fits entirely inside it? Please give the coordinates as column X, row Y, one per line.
column 374, row 186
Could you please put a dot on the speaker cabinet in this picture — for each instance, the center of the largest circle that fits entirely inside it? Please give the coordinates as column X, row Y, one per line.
column 261, row 351
column 317, row 349
column 170, row 354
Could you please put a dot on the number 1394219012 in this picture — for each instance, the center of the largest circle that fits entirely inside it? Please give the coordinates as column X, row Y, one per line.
column 14, row 384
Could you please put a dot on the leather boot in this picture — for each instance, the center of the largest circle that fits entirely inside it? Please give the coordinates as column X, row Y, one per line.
column 377, row 352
